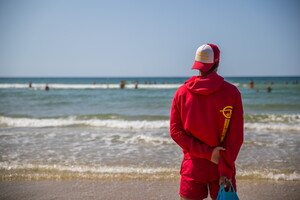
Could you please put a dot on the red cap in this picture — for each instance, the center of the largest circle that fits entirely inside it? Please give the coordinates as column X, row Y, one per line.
column 206, row 56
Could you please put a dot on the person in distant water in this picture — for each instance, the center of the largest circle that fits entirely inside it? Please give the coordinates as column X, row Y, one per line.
column 251, row 84
column 122, row 84
column 47, row 87
column 268, row 89
column 30, row 85
column 136, row 84
column 207, row 122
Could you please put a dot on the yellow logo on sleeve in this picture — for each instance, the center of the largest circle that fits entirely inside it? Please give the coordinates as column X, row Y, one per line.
column 227, row 112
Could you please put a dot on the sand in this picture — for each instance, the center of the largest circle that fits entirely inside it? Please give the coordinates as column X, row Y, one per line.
column 134, row 189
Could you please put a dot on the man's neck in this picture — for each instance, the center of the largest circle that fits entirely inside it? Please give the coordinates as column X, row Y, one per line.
column 205, row 73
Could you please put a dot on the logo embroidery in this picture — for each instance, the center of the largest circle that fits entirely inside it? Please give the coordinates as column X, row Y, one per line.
column 227, row 112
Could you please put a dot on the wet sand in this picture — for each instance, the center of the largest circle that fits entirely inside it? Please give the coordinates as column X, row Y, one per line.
column 134, row 189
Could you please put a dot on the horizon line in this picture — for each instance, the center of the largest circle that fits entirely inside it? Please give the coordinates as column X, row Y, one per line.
column 233, row 76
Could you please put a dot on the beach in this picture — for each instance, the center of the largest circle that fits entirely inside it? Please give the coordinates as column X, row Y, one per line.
column 134, row 190
column 85, row 138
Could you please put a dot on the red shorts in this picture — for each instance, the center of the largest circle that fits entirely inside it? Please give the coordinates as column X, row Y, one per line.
column 198, row 176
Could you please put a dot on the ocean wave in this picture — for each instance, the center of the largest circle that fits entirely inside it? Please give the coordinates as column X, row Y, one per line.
column 272, row 122
column 43, row 171
column 269, row 175
column 73, row 121
column 85, row 169
column 150, row 139
column 88, row 86
column 265, row 118
column 257, row 122
column 272, row 127
column 37, row 172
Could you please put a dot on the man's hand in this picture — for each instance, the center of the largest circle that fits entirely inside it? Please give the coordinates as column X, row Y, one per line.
column 225, row 181
column 215, row 156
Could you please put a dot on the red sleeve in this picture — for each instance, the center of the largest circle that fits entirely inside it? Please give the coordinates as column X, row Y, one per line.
column 233, row 140
column 186, row 141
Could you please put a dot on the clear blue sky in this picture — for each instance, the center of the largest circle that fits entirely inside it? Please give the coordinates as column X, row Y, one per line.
column 63, row 38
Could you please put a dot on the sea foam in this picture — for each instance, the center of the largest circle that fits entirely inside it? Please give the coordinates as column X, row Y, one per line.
column 40, row 171
column 291, row 124
column 260, row 174
column 72, row 121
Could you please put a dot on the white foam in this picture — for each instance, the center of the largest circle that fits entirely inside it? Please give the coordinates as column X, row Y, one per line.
column 112, row 171
column 154, row 140
column 270, row 175
column 276, row 118
column 4, row 85
column 292, row 126
column 84, row 169
column 272, row 127
column 273, row 122
column 72, row 121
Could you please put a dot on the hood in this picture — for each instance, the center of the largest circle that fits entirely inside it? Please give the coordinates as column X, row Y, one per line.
column 204, row 85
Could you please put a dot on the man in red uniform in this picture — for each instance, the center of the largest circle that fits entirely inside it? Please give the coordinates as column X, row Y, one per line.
column 207, row 123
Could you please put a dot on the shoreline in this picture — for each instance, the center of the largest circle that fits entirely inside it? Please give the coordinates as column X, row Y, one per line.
column 134, row 189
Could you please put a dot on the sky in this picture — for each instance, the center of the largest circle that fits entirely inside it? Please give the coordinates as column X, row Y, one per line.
column 142, row 38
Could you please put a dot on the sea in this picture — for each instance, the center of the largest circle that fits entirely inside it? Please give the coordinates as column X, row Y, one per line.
column 90, row 128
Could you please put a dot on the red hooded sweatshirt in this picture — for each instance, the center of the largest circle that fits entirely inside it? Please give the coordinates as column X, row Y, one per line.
column 207, row 112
